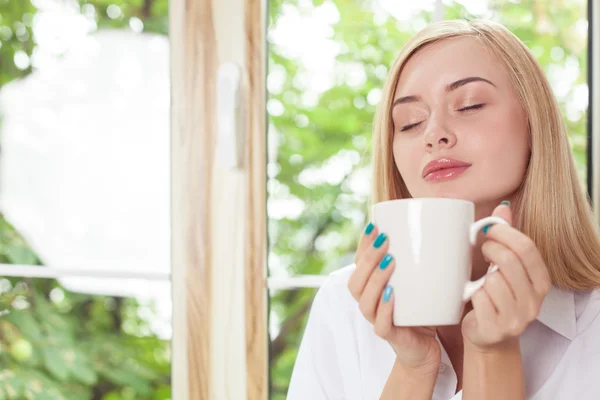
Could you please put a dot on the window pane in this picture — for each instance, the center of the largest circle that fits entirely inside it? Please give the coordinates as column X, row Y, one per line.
column 288, row 317
column 84, row 108
column 77, row 346
column 84, row 132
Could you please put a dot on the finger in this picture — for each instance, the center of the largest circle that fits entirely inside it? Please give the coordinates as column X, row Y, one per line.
column 527, row 252
column 485, row 313
column 513, row 270
column 500, row 294
column 371, row 295
column 369, row 234
column 371, row 257
column 384, row 318
column 504, row 211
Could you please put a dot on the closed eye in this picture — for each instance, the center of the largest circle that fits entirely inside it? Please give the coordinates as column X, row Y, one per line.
column 463, row 109
column 410, row 126
column 473, row 107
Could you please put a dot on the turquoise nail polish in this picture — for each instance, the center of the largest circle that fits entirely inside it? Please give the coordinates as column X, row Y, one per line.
column 385, row 261
column 387, row 293
column 506, row 203
column 369, row 228
column 486, row 228
column 379, row 240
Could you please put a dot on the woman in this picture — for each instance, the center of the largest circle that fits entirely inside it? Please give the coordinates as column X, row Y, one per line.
column 469, row 91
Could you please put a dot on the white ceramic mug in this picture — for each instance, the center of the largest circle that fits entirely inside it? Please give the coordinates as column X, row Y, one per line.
column 430, row 240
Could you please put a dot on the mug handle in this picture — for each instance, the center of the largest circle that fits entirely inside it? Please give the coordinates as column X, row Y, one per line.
column 472, row 286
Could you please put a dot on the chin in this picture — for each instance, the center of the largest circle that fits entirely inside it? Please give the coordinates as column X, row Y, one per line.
column 449, row 194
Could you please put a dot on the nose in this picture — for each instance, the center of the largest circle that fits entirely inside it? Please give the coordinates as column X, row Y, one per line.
column 437, row 137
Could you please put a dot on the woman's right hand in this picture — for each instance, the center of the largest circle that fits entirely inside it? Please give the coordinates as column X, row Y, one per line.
column 415, row 347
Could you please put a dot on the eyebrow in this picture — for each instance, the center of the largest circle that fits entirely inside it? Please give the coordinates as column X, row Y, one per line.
column 453, row 86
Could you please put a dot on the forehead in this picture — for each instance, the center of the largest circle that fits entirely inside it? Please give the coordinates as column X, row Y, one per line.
column 446, row 61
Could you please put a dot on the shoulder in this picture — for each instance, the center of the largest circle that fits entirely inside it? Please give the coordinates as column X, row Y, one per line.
column 588, row 320
column 334, row 295
column 340, row 276
column 337, row 281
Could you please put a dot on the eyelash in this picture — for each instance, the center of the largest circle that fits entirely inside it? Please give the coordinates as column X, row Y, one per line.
column 473, row 107
column 409, row 127
column 468, row 108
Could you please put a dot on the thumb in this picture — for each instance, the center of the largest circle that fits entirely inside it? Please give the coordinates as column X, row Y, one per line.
column 504, row 211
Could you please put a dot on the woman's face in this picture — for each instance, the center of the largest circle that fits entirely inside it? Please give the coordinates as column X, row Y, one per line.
column 459, row 130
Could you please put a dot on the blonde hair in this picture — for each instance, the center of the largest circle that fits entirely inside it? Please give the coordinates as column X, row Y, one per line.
column 552, row 207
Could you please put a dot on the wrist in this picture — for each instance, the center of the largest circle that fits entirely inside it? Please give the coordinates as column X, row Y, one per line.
column 410, row 382
column 426, row 369
column 507, row 347
column 422, row 363
column 493, row 372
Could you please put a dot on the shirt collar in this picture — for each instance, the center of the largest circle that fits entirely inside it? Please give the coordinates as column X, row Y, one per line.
column 558, row 312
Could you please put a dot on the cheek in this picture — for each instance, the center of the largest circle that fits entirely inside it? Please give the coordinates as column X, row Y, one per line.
column 407, row 157
column 507, row 152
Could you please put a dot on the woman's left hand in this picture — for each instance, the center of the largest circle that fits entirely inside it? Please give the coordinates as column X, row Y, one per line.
column 511, row 297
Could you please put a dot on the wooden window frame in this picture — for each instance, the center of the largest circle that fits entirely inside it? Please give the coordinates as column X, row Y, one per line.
column 218, row 217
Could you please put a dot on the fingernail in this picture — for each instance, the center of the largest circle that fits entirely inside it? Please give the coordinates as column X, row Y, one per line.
column 369, row 228
column 486, row 228
column 506, row 203
column 385, row 261
column 492, row 268
column 387, row 293
column 379, row 240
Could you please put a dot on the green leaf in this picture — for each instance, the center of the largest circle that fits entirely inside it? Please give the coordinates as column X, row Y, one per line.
column 114, row 395
column 162, row 393
column 128, row 378
column 77, row 391
column 21, row 255
column 11, row 384
column 53, row 395
column 39, row 387
column 26, row 323
column 55, row 363
column 52, row 321
column 84, row 374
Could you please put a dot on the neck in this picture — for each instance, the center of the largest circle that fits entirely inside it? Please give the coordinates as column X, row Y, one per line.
column 479, row 264
column 482, row 210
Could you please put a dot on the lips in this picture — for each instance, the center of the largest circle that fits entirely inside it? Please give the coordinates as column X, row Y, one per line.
column 444, row 168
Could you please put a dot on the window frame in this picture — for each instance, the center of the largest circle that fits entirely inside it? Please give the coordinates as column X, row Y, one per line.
column 593, row 120
column 220, row 343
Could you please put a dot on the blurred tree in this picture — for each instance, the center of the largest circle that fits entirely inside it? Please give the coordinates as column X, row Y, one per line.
column 60, row 345
column 311, row 136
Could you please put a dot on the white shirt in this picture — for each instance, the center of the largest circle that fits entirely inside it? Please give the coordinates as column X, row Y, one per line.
column 340, row 356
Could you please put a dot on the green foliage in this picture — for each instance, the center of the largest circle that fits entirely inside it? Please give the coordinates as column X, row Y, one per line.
column 16, row 18
column 79, row 349
column 60, row 345
column 310, row 136
column 154, row 13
